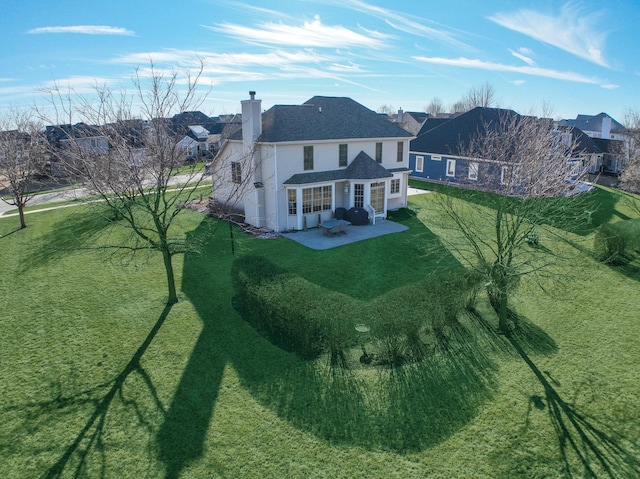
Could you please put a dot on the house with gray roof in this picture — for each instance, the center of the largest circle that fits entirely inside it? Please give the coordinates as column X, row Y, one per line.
column 609, row 145
column 440, row 152
column 293, row 165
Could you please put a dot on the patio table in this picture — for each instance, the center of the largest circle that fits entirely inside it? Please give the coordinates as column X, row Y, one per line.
column 334, row 227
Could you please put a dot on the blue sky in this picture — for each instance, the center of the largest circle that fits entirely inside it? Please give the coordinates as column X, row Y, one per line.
column 578, row 56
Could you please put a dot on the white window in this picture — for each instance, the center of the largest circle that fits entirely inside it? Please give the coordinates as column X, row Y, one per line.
column 436, row 158
column 358, row 195
column 419, row 163
column 377, row 196
column 505, row 175
column 236, row 172
column 473, row 171
column 395, row 186
column 451, row 167
column 292, row 196
column 379, row 152
column 317, row 198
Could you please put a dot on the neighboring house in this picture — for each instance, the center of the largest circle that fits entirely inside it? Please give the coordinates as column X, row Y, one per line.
column 607, row 152
column 198, row 141
column 293, row 165
column 597, row 155
column 598, row 126
column 410, row 120
column 87, row 137
column 438, row 151
column 59, row 137
column 190, row 146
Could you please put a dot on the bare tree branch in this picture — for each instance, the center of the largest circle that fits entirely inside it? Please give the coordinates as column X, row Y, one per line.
column 498, row 236
column 22, row 159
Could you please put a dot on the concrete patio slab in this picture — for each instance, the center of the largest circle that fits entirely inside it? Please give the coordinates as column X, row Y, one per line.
column 314, row 239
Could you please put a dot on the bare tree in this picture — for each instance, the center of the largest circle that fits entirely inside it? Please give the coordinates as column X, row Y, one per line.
column 483, row 95
column 630, row 177
column 530, row 164
column 435, row 107
column 129, row 156
column 22, row 158
column 387, row 109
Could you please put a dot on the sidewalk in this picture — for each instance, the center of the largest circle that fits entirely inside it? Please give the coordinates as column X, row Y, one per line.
column 70, row 194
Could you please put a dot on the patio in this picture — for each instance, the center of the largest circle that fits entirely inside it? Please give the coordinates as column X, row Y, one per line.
column 315, row 239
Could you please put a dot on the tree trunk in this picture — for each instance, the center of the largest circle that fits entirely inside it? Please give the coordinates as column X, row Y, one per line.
column 503, row 316
column 23, row 223
column 499, row 296
column 171, row 281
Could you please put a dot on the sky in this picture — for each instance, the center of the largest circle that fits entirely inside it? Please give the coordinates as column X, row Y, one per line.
column 576, row 57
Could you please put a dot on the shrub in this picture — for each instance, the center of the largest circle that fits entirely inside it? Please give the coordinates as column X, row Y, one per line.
column 294, row 314
column 610, row 242
column 309, row 320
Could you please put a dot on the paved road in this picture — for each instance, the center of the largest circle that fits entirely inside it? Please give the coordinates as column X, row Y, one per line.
column 71, row 194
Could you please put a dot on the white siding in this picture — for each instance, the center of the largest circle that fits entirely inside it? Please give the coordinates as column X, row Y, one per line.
column 276, row 163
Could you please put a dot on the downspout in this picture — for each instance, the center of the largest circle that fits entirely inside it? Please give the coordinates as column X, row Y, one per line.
column 276, row 187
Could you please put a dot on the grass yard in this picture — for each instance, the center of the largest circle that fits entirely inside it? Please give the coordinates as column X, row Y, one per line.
column 99, row 379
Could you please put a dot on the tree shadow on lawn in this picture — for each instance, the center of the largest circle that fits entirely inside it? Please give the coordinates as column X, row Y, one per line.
column 86, row 452
column 588, row 447
column 74, row 233
column 404, row 409
column 580, row 215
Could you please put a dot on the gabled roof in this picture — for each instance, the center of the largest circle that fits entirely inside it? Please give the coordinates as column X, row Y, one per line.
column 431, row 123
column 584, row 144
column 363, row 167
column 419, row 116
column 451, row 136
column 187, row 142
column 181, row 122
column 324, row 118
column 594, row 123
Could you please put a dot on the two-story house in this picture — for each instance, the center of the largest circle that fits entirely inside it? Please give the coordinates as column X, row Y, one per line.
column 609, row 151
column 293, row 165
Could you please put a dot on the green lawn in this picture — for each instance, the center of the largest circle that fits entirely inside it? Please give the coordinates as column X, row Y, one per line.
column 99, row 379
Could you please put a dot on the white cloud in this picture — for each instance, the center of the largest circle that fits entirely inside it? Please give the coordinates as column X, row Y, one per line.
column 341, row 67
column 77, row 84
column 225, row 61
column 518, row 82
column 309, row 34
column 610, row 86
column 84, row 29
column 570, row 30
column 523, row 56
column 524, row 70
column 261, row 10
column 410, row 24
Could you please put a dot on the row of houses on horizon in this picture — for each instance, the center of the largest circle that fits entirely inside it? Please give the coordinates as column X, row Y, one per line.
column 293, row 165
column 307, row 160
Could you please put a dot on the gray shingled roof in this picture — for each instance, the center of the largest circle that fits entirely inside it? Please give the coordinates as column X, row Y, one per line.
column 594, row 123
column 454, row 135
column 363, row 167
column 324, row 118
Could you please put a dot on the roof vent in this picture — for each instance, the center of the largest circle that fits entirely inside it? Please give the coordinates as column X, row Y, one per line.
column 252, row 95
column 320, row 109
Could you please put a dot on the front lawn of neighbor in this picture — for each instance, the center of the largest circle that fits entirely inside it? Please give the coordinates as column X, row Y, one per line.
column 100, row 379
